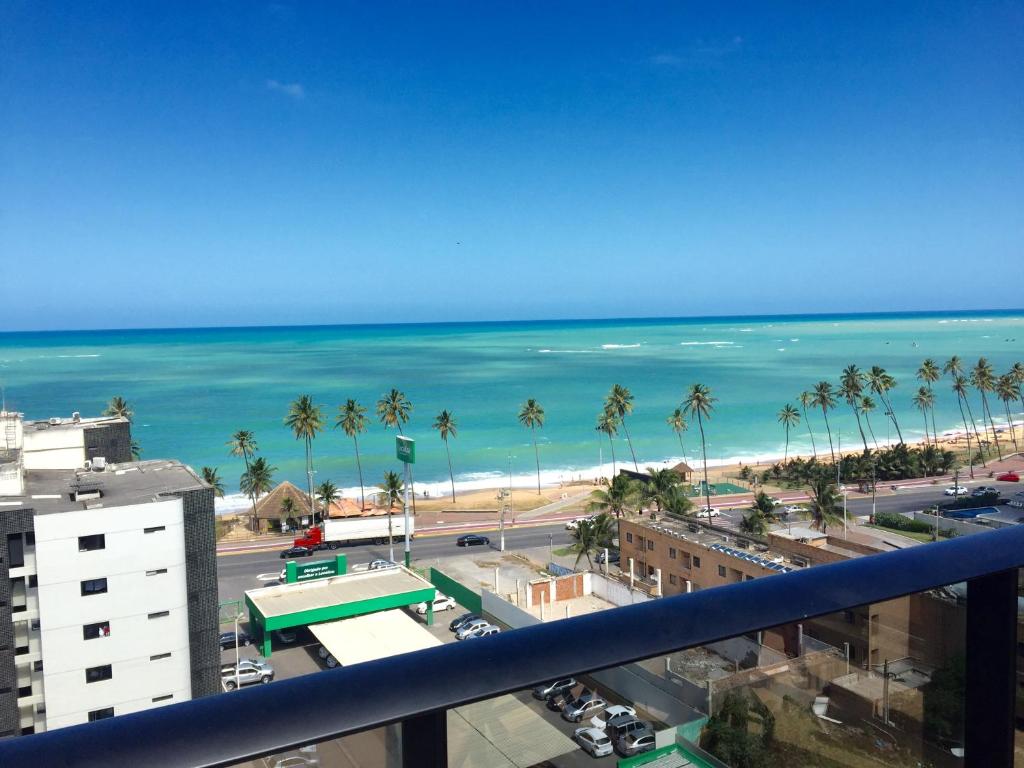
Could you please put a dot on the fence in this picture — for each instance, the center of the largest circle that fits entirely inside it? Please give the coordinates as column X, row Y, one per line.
column 463, row 595
column 616, row 592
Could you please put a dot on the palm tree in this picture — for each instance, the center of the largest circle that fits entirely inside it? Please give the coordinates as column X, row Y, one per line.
column 592, row 535
column 677, row 420
column 352, row 419
column 243, row 443
column 661, row 486
column 393, row 410
column 960, row 387
column 880, row 383
column 753, row 524
column 923, row 401
column 955, row 368
column 393, row 487
column 984, row 380
column 619, row 497
column 287, row 510
column 824, row 399
column 929, row 373
column 532, row 415
column 824, row 503
column 851, row 387
column 867, row 405
column 763, row 506
column 788, row 417
column 212, row 479
column 258, row 479
column 445, row 424
column 118, row 406
column 700, row 403
column 806, row 399
column 620, row 402
column 608, row 423
column 1008, row 391
column 1016, row 375
column 305, row 419
column 676, row 502
column 326, row 492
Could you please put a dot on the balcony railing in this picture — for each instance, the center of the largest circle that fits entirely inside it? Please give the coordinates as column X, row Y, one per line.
column 418, row 689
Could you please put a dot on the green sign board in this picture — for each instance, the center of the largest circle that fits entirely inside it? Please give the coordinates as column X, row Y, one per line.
column 405, row 449
column 321, row 569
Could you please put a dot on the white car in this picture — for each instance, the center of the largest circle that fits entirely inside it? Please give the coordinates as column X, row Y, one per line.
column 708, row 512
column 381, row 565
column 619, row 709
column 469, row 627
column 794, row 509
column 441, row 603
column 955, row 490
column 485, row 631
column 593, row 741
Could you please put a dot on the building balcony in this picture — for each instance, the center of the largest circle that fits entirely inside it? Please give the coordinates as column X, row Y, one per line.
column 772, row 664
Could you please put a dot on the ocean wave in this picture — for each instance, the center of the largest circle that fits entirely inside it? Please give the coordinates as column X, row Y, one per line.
column 706, row 343
column 619, row 346
column 567, row 351
column 781, row 349
column 794, row 340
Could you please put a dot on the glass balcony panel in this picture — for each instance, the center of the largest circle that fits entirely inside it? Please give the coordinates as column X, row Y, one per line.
column 377, row 748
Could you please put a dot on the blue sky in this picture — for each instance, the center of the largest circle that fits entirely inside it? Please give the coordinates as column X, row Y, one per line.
column 245, row 163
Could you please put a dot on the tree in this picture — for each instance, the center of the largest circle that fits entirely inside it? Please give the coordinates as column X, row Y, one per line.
column 393, row 488
column 881, row 383
column 119, row 407
column 393, row 410
column 445, row 425
column 243, row 443
column 788, row 417
column 352, row 419
column 287, row 510
column 824, row 399
column 824, row 502
column 257, row 479
column 851, row 387
column 592, row 535
column 608, row 423
column 727, row 735
column 929, row 373
column 676, row 501
column 211, row 478
column 531, row 415
column 677, row 420
column 763, row 506
column 984, row 380
column 955, row 368
column 326, row 492
column 867, row 405
column 806, row 399
column 306, row 419
column 753, row 524
column 620, row 402
column 960, row 388
column 1008, row 391
column 699, row 403
column 660, row 487
column 620, row 497
column 924, row 400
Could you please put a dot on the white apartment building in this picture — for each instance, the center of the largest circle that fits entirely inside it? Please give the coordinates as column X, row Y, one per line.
column 108, row 593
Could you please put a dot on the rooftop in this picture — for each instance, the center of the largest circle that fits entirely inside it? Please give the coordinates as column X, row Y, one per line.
column 71, row 422
column 62, row 490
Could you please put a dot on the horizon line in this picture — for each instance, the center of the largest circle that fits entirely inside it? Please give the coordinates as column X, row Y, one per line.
column 522, row 321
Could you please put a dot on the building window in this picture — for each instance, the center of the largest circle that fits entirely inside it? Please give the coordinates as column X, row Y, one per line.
column 165, row 697
column 671, row 578
column 101, row 714
column 96, row 674
column 672, row 553
column 30, row 538
column 721, row 570
column 89, row 543
column 159, row 656
column 157, row 572
column 15, row 550
column 696, row 562
column 749, row 577
column 33, row 581
column 37, row 665
column 650, row 544
column 155, row 529
column 99, row 629
column 94, row 587
column 629, row 538
column 159, row 614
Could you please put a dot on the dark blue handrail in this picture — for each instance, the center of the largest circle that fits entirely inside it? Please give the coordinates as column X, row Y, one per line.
column 227, row 729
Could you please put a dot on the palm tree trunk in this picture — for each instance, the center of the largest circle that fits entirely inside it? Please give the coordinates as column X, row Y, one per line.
column 1009, row 421
column 870, row 430
column 629, row 443
column 682, row 448
column 785, row 458
column 704, row 452
column 860, row 427
column 359, row 466
column 992, row 422
column 829, row 430
column 252, row 496
column 536, row 455
column 814, row 448
column 970, row 453
column 935, row 434
column 451, row 476
column 612, row 444
column 892, row 415
column 977, row 435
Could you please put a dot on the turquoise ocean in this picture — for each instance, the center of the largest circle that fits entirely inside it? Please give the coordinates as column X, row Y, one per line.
column 192, row 388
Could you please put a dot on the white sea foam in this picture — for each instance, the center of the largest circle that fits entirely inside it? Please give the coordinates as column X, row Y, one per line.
column 794, row 340
column 781, row 349
column 567, row 351
column 619, row 346
column 706, row 343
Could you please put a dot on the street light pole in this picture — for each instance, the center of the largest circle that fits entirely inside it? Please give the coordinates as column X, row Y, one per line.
column 405, row 511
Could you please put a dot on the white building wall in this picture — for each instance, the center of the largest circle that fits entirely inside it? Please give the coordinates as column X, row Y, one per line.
column 131, row 596
column 58, row 448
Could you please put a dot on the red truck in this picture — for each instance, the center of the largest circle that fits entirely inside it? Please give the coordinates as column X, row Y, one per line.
column 332, row 534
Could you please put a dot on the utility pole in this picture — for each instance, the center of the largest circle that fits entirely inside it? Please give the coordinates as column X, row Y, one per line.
column 504, row 496
column 405, row 452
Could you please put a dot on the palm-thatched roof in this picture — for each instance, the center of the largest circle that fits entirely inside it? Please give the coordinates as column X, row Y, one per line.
column 682, row 468
column 269, row 507
column 347, row 508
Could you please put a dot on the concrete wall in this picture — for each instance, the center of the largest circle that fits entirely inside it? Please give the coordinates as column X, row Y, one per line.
column 659, row 696
column 505, row 612
column 615, row 592
column 56, row 448
column 962, row 527
column 463, row 595
column 565, row 588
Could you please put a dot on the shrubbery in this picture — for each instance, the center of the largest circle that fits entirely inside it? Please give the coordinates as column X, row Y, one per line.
column 902, row 523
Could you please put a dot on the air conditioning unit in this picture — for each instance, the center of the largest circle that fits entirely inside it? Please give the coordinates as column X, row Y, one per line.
column 693, row 528
column 99, row 463
column 54, row 421
column 799, row 562
column 88, row 465
column 76, row 417
column 742, row 544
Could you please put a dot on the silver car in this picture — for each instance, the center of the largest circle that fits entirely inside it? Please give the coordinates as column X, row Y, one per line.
column 470, row 627
column 635, row 743
column 484, row 631
column 585, row 706
column 249, row 671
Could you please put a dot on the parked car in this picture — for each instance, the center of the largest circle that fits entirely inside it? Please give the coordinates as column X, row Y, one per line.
column 559, row 701
column 635, row 743
column 484, row 631
column 286, row 636
column 228, row 640
column 297, row 761
column 470, row 626
column 328, row 659
column 956, row 490
column 381, row 565
column 472, row 540
column 457, row 623
column 296, row 552
column 618, row 710
column 249, row 671
column 555, row 687
column 585, row 706
column 1009, row 477
column 593, row 741
column 613, row 556
column 794, row 509
column 441, row 603
column 623, row 725
column 708, row 512
column 573, row 524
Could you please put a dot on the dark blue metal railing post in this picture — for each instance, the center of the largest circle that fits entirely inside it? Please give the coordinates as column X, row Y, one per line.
column 991, row 670
column 425, row 741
